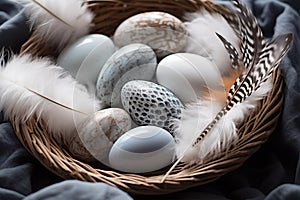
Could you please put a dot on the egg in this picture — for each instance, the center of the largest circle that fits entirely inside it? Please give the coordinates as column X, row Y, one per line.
column 97, row 134
column 150, row 104
column 85, row 57
column 188, row 75
column 134, row 61
column 142, row 149
column 163, row 32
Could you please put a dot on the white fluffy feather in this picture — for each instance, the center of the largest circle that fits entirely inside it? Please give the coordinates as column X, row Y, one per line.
column 23, row 78
column 202, row 27
column 195, row 118
column 58, row 22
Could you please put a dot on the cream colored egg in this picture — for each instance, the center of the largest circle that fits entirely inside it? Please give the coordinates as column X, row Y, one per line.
column 163, row 32
column 187, row 75
column 97, row 134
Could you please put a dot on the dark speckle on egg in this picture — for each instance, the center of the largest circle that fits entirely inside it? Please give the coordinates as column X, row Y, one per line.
column 150, row 104
column 161, row 105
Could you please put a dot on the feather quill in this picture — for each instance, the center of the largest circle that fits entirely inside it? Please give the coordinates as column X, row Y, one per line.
column 260, row 59
column 37, row 88
column 58, row 22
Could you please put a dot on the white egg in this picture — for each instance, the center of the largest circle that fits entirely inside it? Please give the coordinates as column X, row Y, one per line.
column 85, row 57
column 163, row 32
column 187, row 75
column 142, row 149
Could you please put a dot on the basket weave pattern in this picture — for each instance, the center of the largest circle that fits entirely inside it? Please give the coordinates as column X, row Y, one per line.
column 252, row 134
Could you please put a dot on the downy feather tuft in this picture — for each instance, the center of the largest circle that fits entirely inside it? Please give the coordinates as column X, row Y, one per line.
column 201, row 27
column 37, row 88
column 58, row 22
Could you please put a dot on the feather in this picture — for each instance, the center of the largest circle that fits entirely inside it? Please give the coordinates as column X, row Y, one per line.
column 58, row 22
column 223, row 135
column 220, row 91
column 264, row 59
column 201, row 27
column 233, row 53
column 35, row 88
column 234, row 22
column 253, row 79
column 194, row 118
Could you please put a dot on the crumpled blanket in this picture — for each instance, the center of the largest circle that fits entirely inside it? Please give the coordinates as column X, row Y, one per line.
column 271, row 173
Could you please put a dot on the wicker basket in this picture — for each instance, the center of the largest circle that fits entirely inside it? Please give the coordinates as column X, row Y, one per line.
column 253, row 133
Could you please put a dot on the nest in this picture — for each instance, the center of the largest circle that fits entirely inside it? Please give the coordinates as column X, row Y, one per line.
column 252, row 134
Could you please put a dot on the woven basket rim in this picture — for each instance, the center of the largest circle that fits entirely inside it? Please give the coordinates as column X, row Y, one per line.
column 252, row 134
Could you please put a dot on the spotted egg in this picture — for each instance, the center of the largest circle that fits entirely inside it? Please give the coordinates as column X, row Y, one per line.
column 150, row 104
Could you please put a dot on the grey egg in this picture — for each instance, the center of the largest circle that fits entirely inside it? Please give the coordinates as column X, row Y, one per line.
column 132, row 62
column 151, row 104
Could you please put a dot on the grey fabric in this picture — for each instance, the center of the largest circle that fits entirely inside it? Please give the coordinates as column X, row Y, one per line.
column 271, row 173
column 73, row 189
column 13, row 27
column 20, row 173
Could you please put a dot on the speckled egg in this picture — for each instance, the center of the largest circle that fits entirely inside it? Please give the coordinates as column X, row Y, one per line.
column 97, row 134
column 134, row 61
column 150, row 104
column 163, row 32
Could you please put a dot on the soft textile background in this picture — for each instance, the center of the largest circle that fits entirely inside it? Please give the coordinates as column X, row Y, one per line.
column 271, row 173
